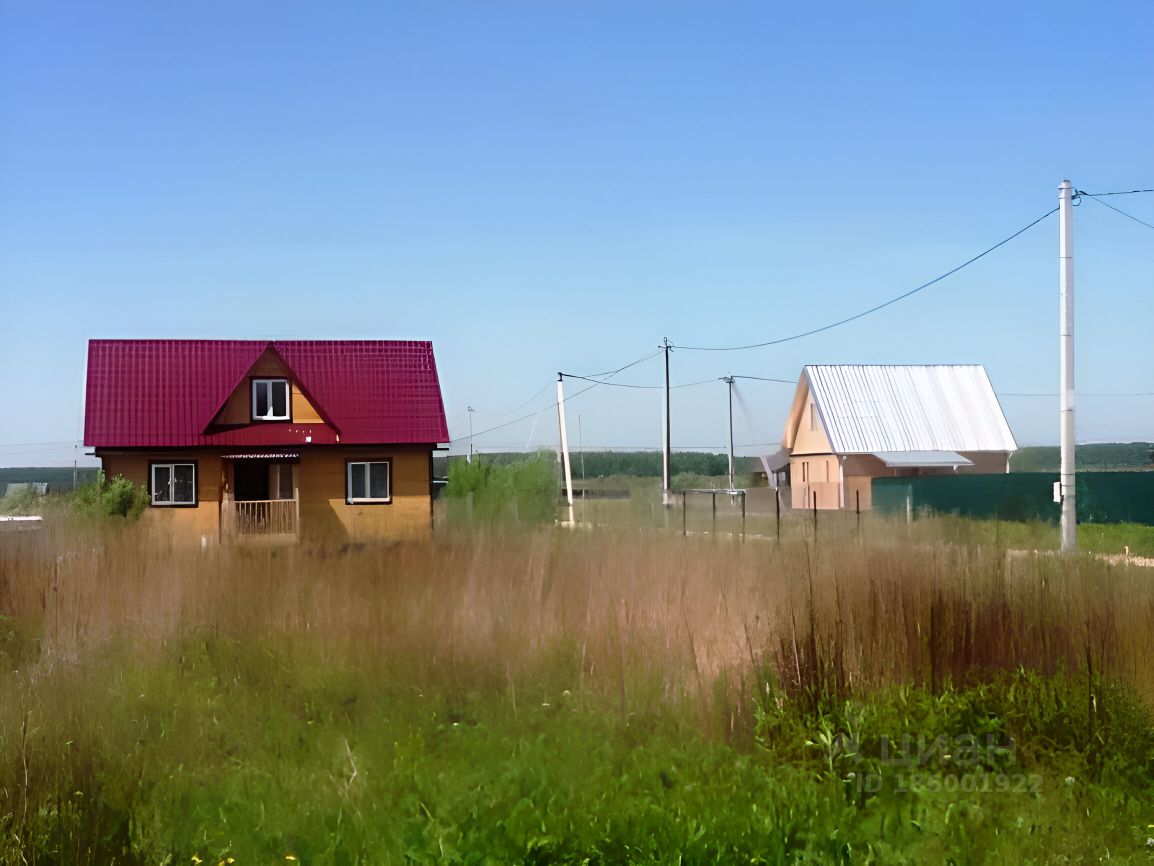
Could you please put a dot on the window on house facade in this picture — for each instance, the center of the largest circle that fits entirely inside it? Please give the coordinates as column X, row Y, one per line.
column 813, row 422
column 172, row 483
column 805, row 471
column 270, row 400
column 368, row 481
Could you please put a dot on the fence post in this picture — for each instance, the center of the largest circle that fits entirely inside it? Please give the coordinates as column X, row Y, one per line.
column 714, row 497
column 814, row 494
column 743, row 515
column 857, row 508
column 683, row 510
column 777, row 509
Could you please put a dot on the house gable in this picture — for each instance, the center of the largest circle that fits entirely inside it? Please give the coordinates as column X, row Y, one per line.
column 804, row 428
column 237, row 409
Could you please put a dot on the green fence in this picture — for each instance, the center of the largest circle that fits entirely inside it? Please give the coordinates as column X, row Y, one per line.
column 1102, row 497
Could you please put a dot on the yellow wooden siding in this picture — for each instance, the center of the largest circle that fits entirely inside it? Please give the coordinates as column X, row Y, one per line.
column 204, row 519
column 320, row 478
column 324, row 512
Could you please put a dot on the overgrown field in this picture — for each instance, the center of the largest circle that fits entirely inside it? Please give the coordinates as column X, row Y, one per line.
column 553, row 696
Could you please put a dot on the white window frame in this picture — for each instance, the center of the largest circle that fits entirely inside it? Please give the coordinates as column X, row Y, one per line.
column 171, row 503
column 368, row 500
column 288, row 408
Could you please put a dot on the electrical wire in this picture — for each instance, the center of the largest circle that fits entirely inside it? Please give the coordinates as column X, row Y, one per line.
column 875, row 309
column 765, row 379
column 1119, row 192
column 594, row 376
column 1117, row 209
column 642, row 387
column 555, row 402
column 518, row 407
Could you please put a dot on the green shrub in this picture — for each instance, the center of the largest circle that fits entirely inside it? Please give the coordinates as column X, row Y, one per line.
column 116, row 497
column 524, row 491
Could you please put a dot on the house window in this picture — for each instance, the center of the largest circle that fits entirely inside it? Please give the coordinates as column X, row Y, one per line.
column 813, row 422
column 368, row 481
column 270, row 400
column 173, row 483
column 805, row 471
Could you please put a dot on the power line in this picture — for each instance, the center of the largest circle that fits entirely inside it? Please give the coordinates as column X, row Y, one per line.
column 882, row 306
column 554, row 403
column 594, row 376
column 30, row 444
column 766, row 379
column 1117, row 209
column 642, row 387
column 1119, row 192
column 519, row 406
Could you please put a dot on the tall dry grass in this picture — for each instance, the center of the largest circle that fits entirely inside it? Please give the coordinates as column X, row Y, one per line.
column 636, row 615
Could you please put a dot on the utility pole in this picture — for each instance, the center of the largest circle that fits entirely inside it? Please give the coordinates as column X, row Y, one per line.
column 666, row 490
column 729, row 381
column 1066, row 354
column 564, row 444
column 469, row 457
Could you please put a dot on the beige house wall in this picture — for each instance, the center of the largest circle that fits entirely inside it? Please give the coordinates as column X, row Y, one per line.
column 179, row 520
column 324, row 512
column 320, row 478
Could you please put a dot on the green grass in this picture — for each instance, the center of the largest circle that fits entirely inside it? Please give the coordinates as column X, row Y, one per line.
column 221, row 749
column 552, row 696
column 1110, row 538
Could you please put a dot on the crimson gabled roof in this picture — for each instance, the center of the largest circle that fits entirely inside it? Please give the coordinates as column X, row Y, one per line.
column 165, row 393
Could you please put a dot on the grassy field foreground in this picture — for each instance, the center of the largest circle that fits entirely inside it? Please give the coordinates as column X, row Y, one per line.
column 570, row 697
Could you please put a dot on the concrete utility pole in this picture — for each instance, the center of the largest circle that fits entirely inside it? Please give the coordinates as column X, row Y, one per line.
column 729, row 380
column 564, row 444
column 1066, row 354
column 666, row 488
column 469, row 458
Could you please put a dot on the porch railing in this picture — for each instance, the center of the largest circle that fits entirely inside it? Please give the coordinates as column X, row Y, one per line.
column 261, row 516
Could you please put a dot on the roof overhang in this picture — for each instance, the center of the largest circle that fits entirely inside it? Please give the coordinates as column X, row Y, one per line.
column 922, row 459
column 287, row 456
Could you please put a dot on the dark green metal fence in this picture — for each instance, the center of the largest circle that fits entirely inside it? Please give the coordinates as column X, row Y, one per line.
column 1102, row 497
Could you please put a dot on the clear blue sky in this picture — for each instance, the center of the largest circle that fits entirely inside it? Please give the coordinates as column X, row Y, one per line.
column 546, row 186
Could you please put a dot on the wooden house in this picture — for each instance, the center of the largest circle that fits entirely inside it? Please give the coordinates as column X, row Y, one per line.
column 286, row 438
column 850, row 423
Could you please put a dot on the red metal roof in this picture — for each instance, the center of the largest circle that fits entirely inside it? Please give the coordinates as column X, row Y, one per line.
column 165, row 393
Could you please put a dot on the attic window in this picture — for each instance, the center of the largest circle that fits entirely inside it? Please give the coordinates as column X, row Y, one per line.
column 270, row 400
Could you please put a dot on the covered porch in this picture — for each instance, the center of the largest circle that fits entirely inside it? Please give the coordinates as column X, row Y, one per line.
column 260, row 496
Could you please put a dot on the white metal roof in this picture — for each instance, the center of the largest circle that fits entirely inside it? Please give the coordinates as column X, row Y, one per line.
column 948, row 407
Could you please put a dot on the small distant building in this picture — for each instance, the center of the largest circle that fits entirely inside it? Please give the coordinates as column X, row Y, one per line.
column 851, row 423
column 40, row 488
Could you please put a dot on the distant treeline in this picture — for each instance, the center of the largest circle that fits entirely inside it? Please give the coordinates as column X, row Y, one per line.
column 647, row 464
column 1101, row 456
column 636, row 464
column 59, row 478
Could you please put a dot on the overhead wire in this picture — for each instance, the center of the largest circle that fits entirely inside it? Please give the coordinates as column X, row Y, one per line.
column 1117, row 209
column 878, row 307
column 552, row 405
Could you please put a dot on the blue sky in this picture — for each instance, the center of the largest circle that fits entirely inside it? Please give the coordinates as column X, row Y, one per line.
column 547, row 186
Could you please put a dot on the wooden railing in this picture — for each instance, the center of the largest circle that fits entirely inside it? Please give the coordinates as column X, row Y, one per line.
column 263, row 517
